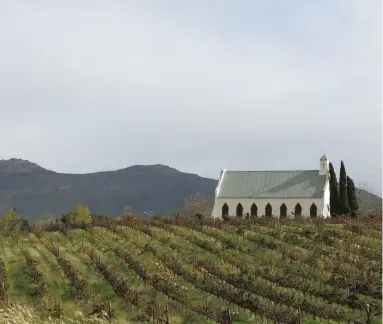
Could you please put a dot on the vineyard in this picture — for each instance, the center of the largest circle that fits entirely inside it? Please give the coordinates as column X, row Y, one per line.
column 195, row 270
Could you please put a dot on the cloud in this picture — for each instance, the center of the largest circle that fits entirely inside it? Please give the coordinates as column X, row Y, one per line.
column 198, row 85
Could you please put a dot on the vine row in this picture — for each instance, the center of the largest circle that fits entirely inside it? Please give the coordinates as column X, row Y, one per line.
column 356, row 279
column 35, row 275
column 121, row 287
column 4, row 285
column 74, row 277
column 286, row 276
column 237, row 296
column 166, row 287
column 253, row 284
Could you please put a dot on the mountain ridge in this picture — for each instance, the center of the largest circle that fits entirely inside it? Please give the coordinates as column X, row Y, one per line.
column 14, row 164
column 36, row 191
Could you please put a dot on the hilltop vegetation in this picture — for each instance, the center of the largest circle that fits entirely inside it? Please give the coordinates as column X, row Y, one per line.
column 194, row 269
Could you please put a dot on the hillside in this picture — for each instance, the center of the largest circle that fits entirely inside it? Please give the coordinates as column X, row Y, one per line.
column 193, row 272
column 36, row 191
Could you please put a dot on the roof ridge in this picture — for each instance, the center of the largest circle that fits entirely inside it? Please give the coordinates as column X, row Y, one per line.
column 316, row 170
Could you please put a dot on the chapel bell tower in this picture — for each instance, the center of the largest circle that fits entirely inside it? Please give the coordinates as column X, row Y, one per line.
column 324, row 165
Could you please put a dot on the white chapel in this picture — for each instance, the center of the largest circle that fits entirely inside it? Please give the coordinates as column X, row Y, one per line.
column 304, row 193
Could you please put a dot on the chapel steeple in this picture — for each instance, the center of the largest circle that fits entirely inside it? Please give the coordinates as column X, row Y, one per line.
column 324, row 165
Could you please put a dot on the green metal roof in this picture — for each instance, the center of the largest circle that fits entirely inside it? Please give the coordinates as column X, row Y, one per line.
column 271, row 184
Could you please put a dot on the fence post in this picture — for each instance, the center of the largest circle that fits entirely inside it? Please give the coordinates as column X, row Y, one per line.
column 167, row 315
column 230, row 319
column 369, row 315
column 299, row 315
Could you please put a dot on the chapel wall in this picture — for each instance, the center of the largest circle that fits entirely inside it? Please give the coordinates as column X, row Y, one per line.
column 274, row 202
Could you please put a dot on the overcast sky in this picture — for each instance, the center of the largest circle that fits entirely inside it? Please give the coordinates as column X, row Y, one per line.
column 197, row 85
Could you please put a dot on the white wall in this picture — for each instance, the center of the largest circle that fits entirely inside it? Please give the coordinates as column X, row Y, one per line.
column 326, row 198
column 274, row 202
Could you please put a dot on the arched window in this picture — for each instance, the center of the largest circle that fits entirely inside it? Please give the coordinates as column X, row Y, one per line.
column 239, row 210
column 313, row 210
column 268, row 210
column 254, row 210
column 225, row 210
column 283, row 210
column 298, row 210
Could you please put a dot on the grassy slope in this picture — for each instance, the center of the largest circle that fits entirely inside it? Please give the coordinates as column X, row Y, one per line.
column 159, row 247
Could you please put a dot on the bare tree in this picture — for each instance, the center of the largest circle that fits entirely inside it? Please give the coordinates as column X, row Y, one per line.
column 197, row 204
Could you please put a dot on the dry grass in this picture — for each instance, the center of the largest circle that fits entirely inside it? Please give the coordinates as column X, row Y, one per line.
column 18, row 314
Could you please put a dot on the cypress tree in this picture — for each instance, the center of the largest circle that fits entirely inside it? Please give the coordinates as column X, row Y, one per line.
column 334, row 194
column 343, row 202
column 352, row 197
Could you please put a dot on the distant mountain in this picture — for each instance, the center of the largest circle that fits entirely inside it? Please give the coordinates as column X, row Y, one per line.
column 36, row 191
column 369, row 201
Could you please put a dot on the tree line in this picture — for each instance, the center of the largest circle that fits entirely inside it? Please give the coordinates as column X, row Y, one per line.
column 343, row 195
